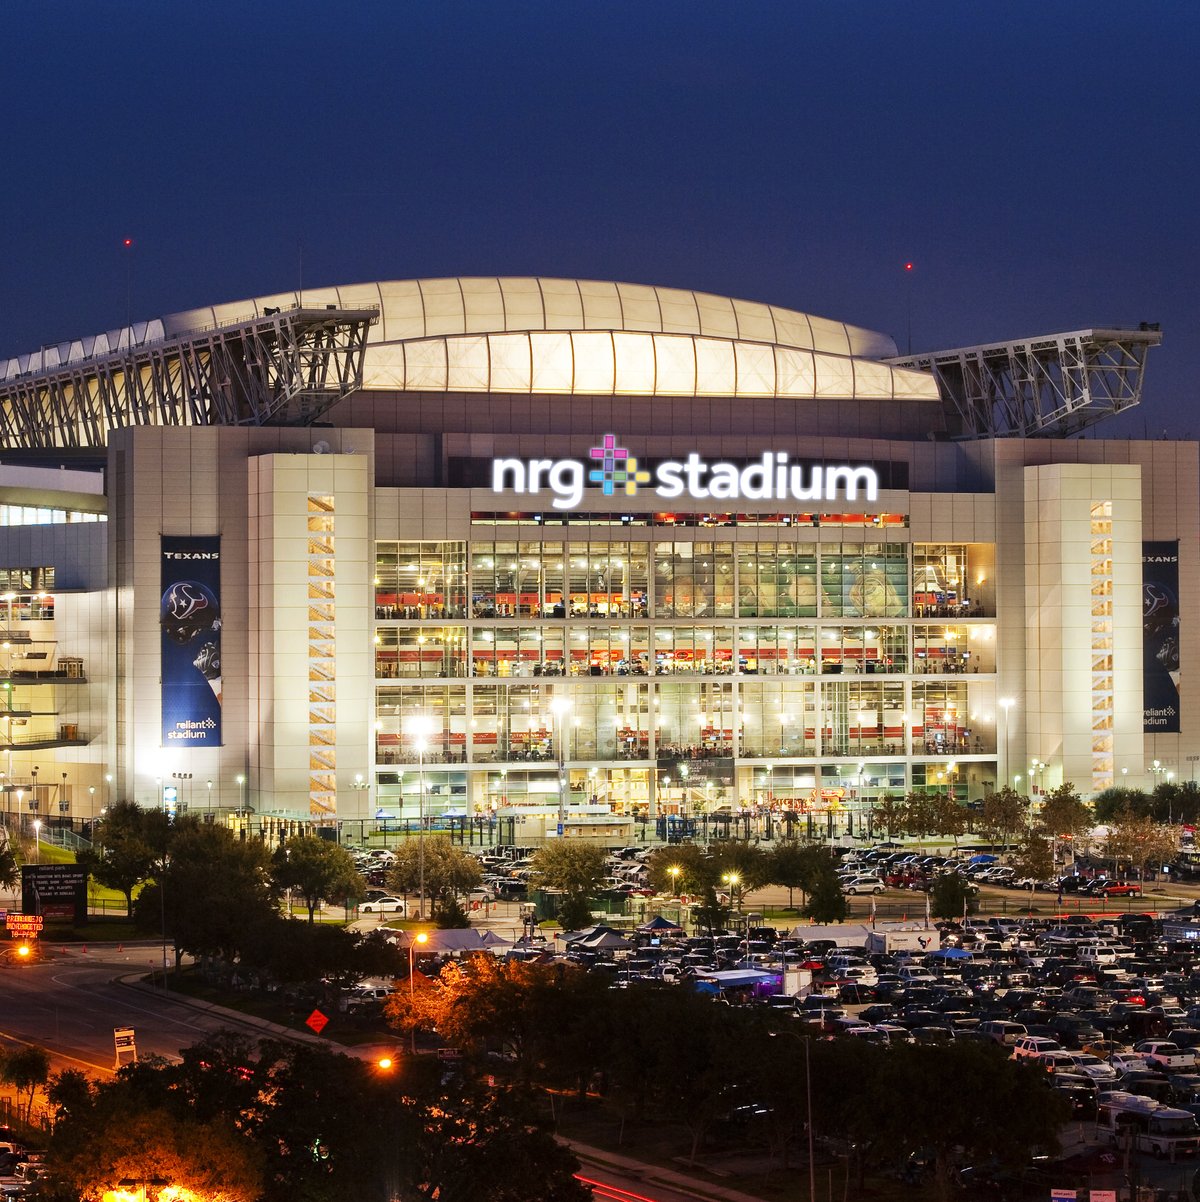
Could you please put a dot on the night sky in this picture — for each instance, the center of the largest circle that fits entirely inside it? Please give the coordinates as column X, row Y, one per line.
column 1036, row 161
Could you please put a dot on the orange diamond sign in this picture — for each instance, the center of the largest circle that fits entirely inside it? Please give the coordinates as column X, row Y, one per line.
column 317, row 1021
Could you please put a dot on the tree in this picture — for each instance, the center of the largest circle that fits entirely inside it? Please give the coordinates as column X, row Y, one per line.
column 1110, row 804
column 449, row 870
column 574, row 867
column 1012, row 1114
column 214, row 887
column 1064, row 815
column 1035, row 857
column 131, row 842
column 826, row 901
column 1004, row 813
column 950, row 896
column 890, row 814
column 920, row 814
column 947, row 816
column 10, row 874
column 318, row 869
column 27, row 1070
column 1139, row 841
column 795, row 865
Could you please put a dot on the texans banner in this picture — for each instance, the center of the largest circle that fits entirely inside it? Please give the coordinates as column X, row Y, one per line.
column 190, row 616
column 1160, row 637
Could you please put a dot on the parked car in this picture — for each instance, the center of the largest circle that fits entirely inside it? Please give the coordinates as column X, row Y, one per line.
column 863, row 884
column 384, row 905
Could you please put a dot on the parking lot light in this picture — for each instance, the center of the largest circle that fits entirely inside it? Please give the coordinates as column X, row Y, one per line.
column 674, row 872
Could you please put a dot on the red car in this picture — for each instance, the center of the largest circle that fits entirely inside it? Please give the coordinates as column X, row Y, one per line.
column 1119, row 889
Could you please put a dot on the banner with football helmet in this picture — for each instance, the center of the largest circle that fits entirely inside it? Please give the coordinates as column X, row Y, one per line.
column 1160, row 637
column 190, row 617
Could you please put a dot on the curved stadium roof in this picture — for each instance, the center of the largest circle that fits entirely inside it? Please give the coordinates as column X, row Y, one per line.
column 562, row 336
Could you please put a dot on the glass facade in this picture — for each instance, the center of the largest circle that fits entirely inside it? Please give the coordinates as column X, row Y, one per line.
column 672, row 672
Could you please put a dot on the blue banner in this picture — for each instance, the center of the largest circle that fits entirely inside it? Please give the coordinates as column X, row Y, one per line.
column 190, row 616
column 1160, row 638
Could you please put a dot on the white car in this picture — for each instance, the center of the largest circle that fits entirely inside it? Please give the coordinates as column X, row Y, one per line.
column 863, row 884
column 384, row 905
column 1092, row 1066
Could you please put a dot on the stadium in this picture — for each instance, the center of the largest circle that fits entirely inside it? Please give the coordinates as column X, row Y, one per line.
column 575, row 555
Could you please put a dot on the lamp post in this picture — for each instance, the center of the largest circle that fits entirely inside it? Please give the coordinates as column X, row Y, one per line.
column 421, row 726
column 559, row 707
column 732, row 879
column 1006, row 704
column 806, row 1040
column 419, row 937
column 673, row 872
column 208, row 805
column 37, row 840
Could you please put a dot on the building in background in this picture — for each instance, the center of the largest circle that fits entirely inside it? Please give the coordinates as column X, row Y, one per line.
column 579, row 553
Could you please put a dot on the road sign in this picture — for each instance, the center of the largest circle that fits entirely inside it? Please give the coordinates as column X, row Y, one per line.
column 24, row 926
column 317, row 1021
column 560, row 828
column 124, row 1043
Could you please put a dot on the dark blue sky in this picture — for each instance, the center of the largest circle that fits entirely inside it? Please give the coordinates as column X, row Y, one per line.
column 1038, row 162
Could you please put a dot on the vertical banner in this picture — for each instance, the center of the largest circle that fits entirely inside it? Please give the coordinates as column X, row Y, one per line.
column 190, row 615
column 1160, row 637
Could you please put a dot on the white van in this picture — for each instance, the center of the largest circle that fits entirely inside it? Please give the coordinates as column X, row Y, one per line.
column 1150, row 1125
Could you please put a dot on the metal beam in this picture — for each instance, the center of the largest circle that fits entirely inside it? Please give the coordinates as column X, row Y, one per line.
column 1046, row 387
column 286, row 367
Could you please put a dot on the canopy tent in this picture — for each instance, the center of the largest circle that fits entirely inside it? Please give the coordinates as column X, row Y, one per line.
column 659, row 923
column 950, row 953
column 588, row 933
column 455, row 941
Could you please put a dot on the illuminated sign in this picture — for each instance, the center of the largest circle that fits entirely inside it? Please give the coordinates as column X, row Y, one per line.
column 772, row 478
column 23, row 926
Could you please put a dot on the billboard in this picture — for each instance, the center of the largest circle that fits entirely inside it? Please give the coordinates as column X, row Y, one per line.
column 1160, row 638
column 55, row 891
column 190, row 617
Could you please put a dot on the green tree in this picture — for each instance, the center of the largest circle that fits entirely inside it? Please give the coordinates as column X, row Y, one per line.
column 1012, row 1114
column 574, row 867
column 319, row 870
column 890, row 815
column 27, row 1069
column 1004, row 813
column 10, row 874
column 1063, row 815
column 1035, row 857
column 128, row 845
column 947, row 816
column 951, row 896
column 826, row 901
column 213, row 888
column 449, row 870
column 1110, row 804
column 920, row 814
column 792, row 865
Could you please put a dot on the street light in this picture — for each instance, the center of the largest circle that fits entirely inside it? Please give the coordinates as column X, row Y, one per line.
column 673, row 872
column 1006, row 704
column 37, row 840
column 421, row 727
column 559, row 707
column 419, row 937
column 733, row 880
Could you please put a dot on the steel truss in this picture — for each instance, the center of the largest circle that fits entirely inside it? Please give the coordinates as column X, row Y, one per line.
column 286, row 367
column 1047, row 387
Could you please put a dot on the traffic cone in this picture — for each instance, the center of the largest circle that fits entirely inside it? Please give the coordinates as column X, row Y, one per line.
column 84, row 949
column 120, row 948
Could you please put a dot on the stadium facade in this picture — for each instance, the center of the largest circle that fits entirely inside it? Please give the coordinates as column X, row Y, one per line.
column 577, row 553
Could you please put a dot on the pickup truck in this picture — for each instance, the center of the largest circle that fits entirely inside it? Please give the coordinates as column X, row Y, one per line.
column 1165, row 1056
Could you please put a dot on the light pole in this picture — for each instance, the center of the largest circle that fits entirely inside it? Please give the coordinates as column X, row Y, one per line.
column 1006, row 704
column 208, row 805
column 806, row 1040
column 421, row 726
column 419, row 937
column 559, row 707
column 733, row 880
column 37, row 840
column 673, row 872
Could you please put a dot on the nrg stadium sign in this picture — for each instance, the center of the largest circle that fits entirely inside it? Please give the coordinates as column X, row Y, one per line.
column 772, row 478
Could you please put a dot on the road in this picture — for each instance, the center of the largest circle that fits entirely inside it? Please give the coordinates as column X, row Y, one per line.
column 70, row 1001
